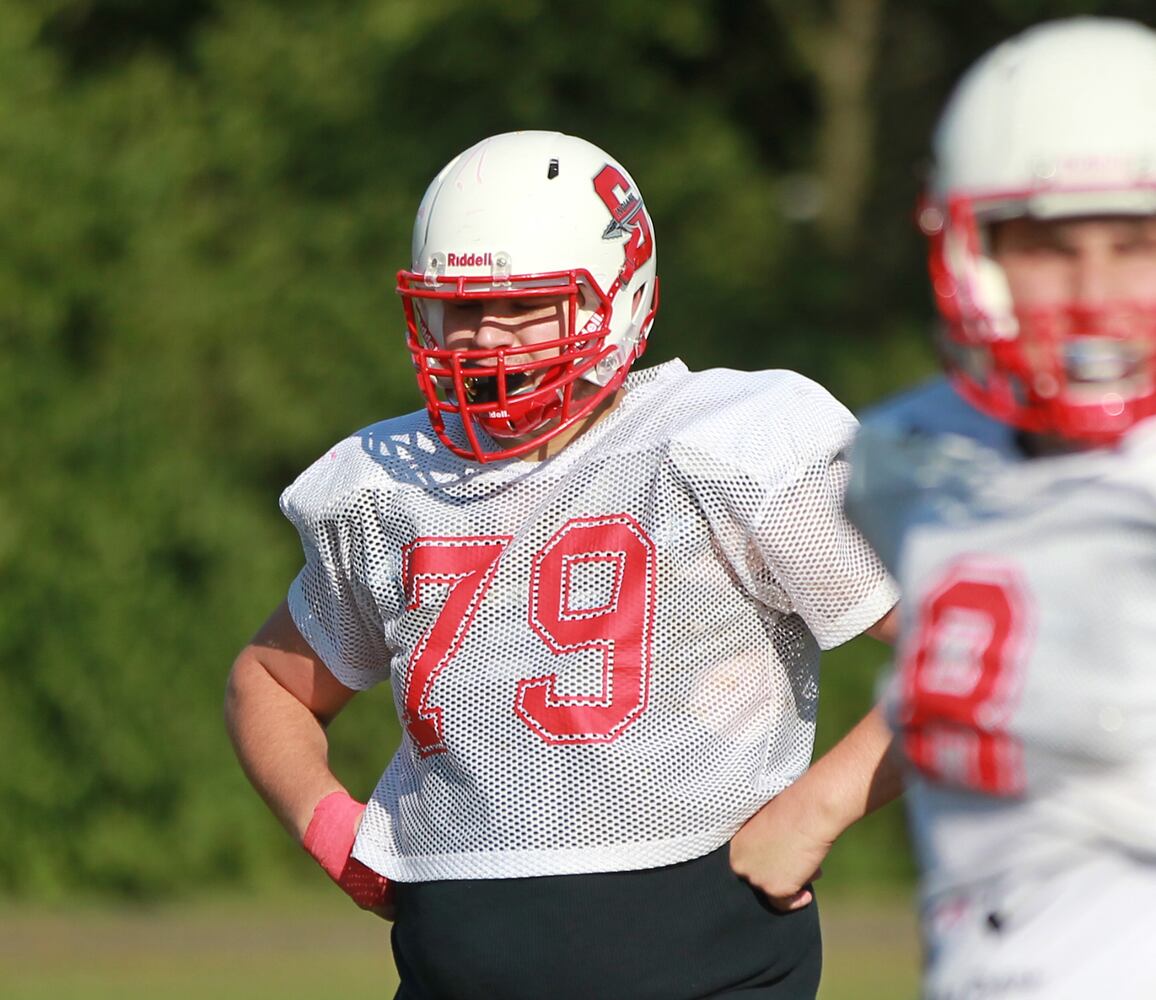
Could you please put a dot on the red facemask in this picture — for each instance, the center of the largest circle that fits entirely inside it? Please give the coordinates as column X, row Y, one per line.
column 509, row 404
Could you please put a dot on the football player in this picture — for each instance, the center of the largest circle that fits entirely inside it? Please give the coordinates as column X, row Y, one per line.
column 599, row 597
column 1016, row 503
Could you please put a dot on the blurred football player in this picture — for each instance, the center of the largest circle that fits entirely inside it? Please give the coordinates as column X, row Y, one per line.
column 1016, row 503
column 599, row 598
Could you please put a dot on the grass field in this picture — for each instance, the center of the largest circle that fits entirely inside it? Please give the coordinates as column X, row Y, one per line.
column 301, row 950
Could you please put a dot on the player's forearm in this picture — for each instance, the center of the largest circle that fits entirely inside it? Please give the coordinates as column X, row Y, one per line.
column 855, row 777
column 781, row 847
column 280, row 743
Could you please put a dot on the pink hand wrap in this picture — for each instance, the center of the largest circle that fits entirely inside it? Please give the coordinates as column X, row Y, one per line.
column 329, row 840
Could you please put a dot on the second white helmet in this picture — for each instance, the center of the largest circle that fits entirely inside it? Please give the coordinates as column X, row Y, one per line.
column 1057, row 122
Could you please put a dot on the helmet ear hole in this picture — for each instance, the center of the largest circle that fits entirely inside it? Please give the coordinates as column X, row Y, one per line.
column 639, row 305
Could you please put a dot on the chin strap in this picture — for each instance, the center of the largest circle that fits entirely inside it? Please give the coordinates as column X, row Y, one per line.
column 329, row 840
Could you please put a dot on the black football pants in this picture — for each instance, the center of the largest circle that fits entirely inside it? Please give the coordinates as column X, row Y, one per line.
column 691, row 930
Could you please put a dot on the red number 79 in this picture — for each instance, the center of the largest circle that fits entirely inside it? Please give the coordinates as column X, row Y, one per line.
column 620, row 630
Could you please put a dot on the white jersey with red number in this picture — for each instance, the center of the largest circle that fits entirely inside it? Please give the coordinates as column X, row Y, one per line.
column 604, row 661
column 1025, row 697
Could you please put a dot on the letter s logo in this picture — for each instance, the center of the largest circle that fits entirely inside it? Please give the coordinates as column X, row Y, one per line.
column 629, row 219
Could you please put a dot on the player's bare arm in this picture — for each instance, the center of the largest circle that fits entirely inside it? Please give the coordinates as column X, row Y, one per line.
column 781, row 848
column 279, row 700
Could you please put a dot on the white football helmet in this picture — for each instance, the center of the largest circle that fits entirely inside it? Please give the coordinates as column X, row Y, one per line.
column 1058, row 122
column 520, row 215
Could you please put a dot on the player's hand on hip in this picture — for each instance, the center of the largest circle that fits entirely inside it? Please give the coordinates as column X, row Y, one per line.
column 779, row 851
column 329, row 840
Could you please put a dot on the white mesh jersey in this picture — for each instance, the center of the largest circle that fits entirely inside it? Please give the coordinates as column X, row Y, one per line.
column 1025, row 696
column 604, row 661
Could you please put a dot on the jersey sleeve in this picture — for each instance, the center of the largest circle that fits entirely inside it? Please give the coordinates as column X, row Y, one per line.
column 831, row 575
column 769, row 471
column 331, row 604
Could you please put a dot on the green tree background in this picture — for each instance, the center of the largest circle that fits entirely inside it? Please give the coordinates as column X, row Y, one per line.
column 202, row 205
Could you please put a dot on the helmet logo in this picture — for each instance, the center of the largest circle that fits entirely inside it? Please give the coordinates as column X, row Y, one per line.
column 628, row 218
column 469, row 259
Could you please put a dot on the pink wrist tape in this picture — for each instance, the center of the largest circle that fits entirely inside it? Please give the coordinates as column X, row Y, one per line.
column 329, row 840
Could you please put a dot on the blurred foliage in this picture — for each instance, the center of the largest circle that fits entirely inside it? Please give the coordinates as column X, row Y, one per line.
column 204, row 203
